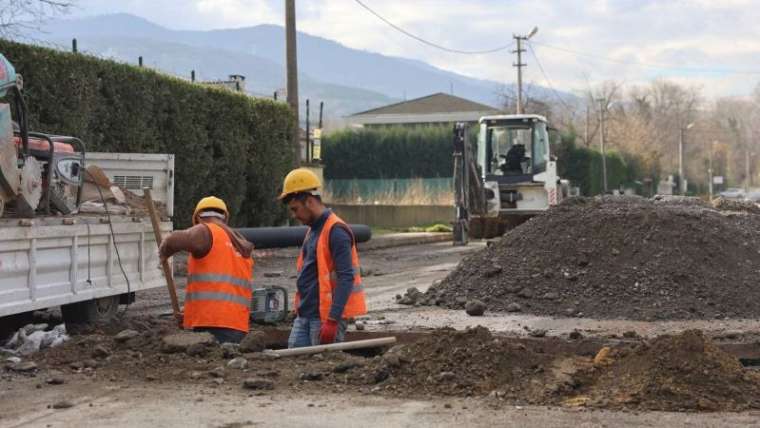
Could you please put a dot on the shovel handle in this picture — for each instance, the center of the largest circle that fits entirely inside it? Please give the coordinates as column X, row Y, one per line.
column 164, row 263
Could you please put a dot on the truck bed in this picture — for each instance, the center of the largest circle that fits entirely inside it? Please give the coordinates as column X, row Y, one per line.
column 51, row 261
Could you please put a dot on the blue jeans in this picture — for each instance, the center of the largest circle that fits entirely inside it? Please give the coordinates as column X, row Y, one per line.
column 305, row 332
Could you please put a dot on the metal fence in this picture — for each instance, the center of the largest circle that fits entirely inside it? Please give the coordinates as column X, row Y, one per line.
column 398, row 191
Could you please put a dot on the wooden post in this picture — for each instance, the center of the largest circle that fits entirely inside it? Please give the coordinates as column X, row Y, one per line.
column 165, row 263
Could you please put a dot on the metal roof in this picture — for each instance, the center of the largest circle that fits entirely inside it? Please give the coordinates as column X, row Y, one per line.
column 513, row 117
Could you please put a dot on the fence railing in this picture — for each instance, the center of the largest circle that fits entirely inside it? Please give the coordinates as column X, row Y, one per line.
column 399, row 191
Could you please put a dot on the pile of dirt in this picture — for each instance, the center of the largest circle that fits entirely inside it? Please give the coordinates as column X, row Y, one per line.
column 683, row 372
column 679, row 372
column 617, row 257
column 460, row 363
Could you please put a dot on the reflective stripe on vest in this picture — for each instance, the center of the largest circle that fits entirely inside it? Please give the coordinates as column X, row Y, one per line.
column 224, row 297
column 214, row 277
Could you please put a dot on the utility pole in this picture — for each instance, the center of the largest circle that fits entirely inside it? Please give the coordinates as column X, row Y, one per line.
column 321, row 107
column 680, row 162
column 309, row 154
column 681, row 178
column 601, row 143
column 519, row 40
column 585, row 134
column 747, row 177
column 710, row 170
column 292, row 66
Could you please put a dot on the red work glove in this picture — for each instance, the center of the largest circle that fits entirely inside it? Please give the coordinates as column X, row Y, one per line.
column 328, row 332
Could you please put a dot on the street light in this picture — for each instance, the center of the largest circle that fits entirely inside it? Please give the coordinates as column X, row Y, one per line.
column 681, row 178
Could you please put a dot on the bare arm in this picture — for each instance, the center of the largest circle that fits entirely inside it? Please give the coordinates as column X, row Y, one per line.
column 195, row 240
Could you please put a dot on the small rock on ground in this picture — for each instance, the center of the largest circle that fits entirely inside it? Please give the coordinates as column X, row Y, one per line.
column 258, row 384
column 196, row 349
column 230, row 350
column 514, row 307
column 179, row 342
column 63, row 404
column 125, row 335
column 254, row 341
column 539, row 332
column 475, row 308
column 26, row 366
column 311, row 376
column 101, row 351
column 238, row 363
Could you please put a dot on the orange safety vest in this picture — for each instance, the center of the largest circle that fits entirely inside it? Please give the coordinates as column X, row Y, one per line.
column 219, row 286
column 328, row 278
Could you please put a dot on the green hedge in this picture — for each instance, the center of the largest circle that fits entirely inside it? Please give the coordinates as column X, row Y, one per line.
column 396, row 152
column 583, row 167
column 225, row 144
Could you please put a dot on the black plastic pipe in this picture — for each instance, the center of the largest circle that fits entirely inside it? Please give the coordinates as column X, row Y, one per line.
column 282, row 237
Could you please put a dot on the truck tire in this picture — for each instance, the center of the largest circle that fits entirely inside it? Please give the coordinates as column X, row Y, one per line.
column 91, row 311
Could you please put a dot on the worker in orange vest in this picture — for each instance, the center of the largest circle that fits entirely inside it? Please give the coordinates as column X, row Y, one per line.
column 329, row 284
column 220, row 272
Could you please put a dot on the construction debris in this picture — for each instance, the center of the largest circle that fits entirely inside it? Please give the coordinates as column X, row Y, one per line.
column 617, row 257
column 33, row 337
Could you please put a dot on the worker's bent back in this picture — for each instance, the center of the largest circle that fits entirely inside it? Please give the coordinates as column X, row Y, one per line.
column 219, row 286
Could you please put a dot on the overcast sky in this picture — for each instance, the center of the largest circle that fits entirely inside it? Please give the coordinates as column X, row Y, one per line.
column 711, row 43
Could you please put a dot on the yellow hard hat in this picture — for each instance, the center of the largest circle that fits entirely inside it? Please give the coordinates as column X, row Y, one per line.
column 210, row 203
column 299, row 180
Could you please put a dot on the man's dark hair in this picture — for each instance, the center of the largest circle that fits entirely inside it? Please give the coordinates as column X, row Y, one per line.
column 301, row 197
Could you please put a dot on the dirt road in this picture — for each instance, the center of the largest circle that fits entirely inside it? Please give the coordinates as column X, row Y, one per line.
column 101, row 399
column 99, row 404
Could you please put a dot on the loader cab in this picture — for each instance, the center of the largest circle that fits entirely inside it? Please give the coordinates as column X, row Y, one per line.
column 513, row 148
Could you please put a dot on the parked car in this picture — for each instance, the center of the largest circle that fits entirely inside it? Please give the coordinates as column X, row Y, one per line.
column 733, row 193
column 753, row 196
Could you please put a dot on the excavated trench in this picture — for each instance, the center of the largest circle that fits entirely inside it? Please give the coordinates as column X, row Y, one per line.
column 685, row 371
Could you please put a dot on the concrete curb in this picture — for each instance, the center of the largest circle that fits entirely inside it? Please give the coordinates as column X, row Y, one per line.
column 403, row 239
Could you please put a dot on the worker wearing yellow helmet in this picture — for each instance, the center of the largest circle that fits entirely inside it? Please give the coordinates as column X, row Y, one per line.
column 220, row 272
column 329, row 287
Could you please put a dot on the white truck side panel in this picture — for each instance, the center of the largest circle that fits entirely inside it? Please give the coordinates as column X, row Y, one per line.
column 48, row 263
column 134, row 171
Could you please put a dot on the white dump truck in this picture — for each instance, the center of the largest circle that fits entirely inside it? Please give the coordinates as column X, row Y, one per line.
column 72, row 231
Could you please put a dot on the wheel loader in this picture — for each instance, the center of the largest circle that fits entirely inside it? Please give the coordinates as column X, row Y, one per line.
column 507, row 176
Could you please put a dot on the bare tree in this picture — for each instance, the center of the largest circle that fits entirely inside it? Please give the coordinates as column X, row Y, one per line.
column 21, row 16
column 608, row 91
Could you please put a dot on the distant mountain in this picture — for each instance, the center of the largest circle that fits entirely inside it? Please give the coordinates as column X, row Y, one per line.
column 347, row 80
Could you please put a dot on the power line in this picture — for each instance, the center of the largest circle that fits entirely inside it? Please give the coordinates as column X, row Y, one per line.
column 649, row 65
column 429, row 43
column 549, row 82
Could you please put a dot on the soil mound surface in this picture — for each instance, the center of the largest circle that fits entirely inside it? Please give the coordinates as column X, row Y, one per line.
column 461, row 363
column 679, row 372
column 618, row 257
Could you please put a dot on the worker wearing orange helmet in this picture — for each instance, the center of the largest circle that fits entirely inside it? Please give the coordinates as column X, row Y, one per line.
column 220, row 272
column 329, row 285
